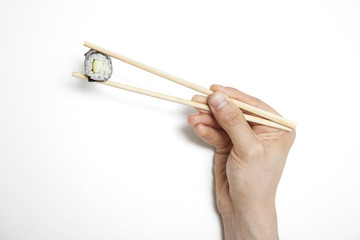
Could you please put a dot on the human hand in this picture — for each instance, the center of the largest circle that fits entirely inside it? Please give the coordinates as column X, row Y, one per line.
column 249, row 160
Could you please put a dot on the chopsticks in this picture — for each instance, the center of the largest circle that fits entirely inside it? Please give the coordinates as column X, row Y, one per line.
column 148, row 93
column 257, row 111
column 194, row 104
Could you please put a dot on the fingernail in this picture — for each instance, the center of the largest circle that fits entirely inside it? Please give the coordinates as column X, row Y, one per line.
column 218, row 101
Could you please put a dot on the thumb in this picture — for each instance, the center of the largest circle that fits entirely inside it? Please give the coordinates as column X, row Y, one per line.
column 233, row 121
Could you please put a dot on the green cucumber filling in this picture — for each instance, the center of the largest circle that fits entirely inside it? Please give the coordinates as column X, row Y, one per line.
column 97, row 65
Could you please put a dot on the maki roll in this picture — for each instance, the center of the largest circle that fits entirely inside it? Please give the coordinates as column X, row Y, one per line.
column 98, row 66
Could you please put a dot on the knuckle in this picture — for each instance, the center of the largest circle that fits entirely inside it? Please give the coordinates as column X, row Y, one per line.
column 193, row 119
column 232, row 89
column 255, row 152
column 200, row 130
column 232, row 119
column 256, row 102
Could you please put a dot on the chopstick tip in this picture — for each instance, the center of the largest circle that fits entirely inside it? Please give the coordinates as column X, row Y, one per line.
column 80, row 75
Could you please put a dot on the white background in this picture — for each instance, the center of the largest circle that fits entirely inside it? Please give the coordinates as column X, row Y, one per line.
column 80, row 160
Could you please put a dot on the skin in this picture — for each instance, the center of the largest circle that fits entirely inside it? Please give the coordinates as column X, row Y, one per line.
column 248, row 164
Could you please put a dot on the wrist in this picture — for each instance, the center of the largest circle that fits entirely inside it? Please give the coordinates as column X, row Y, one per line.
column 227, row 222
column 256, row 222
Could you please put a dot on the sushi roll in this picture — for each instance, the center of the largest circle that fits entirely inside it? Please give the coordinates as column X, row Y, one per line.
column 98, row 66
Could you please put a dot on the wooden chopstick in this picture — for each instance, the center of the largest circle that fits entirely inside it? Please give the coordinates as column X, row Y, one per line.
column 260, row 112
column 148, row 93
column 194, row 104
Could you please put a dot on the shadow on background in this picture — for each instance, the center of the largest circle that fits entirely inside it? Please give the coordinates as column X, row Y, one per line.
column 190, row 134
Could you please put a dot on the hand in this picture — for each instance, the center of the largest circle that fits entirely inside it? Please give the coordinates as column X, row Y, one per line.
column 249, row 160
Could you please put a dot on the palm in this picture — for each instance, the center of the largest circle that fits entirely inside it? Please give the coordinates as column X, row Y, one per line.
column 223, row 197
